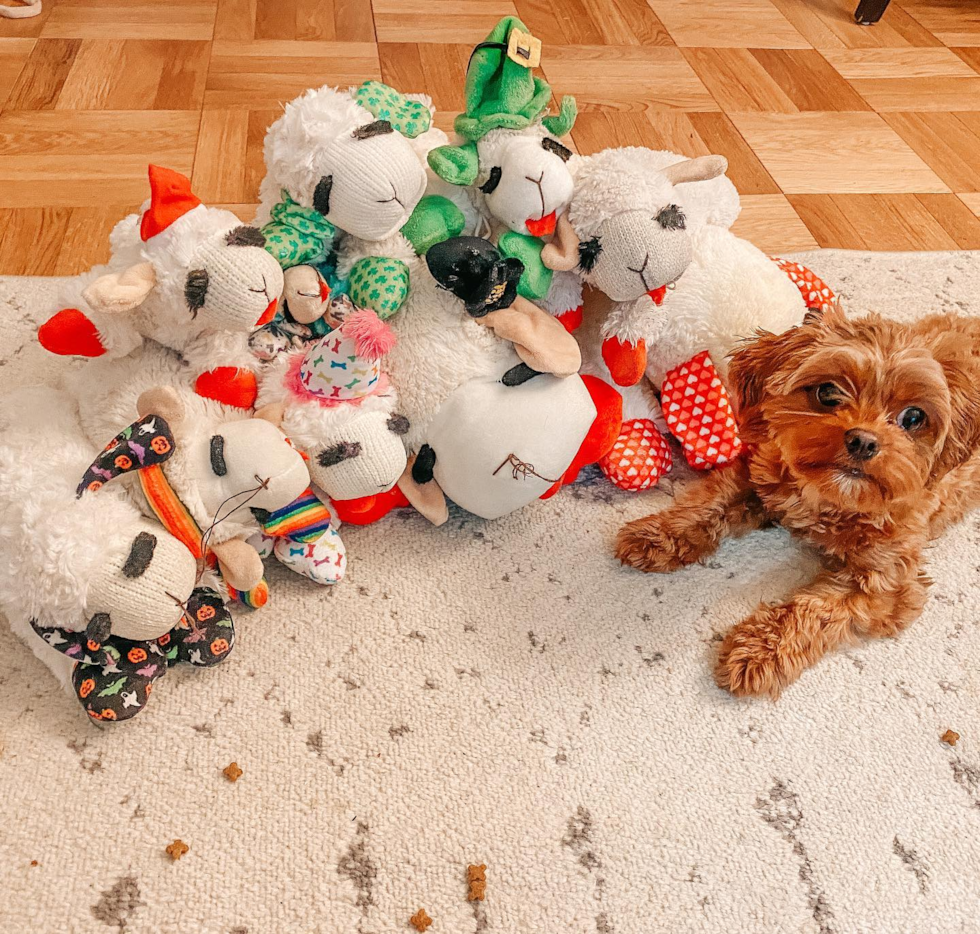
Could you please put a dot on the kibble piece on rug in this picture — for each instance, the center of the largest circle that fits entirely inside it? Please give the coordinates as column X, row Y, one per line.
column 177, row 849
column 420, row 921
column 950, row 737
column 232, row 772
column 476, row 876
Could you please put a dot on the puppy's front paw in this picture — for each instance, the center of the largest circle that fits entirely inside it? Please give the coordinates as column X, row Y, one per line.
column 658, row 545
column 754, row 659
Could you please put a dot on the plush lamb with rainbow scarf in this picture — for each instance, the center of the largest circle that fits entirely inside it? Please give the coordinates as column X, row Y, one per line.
column 192, row 278
column 339, row 409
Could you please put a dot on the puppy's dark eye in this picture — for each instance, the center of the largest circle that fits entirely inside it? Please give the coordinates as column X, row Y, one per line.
column 672, row 218
column 552, row 145
column 911, row 418
column 829, row 395
column 588, row 254
column 196, row 289
column 321, row 195
column 492, row 182
column 399, row 424
column 218, row 464
column 344, row 451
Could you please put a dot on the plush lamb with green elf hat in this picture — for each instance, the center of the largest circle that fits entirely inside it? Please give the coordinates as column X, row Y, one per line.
column 350, row 165
column 510, row 152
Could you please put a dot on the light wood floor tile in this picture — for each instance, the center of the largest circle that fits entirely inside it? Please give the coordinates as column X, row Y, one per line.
column 86, row 236
column 133, row 74
column 770, row 222
column 14, row 54
column 305, row 20
column 737, row 80
column 872, row 222
column 829, row 24
column 745, row 170
column 807, row 79
column 946, row 142
column 835, row 152
column 627, row 78
column 31, row 240
column 443, row 21
column 43, row 75
column 954, row 22
column 727, row 24
column 898, row 63
column 922, row 94
column 955, row 218
column 604, row 129
column 437, row 69
column 219, row 163
column 266, row 74
column 131, row 19
column 972, row 201
column 591, row 22
column 970, row 56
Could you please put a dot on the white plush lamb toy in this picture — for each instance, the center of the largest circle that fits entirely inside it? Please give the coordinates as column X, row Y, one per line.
column 97, row 591
column 509, row 155
column 650, row 230
column 349, row 165
column 224, row 463
column 192, row 278
column 339, row 409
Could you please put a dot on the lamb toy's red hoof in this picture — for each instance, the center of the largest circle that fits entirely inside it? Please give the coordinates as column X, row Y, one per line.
column 627, row 362
column 228, row 385
column 69, row 333
column 639, row 458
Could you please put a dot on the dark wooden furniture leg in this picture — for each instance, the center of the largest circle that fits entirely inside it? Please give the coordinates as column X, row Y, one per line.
column 869, row 11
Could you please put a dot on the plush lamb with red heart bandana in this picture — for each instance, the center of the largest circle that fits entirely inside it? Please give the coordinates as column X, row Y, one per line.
column 650, row 230
column 192, row 278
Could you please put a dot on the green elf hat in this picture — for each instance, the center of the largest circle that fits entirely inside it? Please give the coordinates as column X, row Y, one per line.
column 501, row 93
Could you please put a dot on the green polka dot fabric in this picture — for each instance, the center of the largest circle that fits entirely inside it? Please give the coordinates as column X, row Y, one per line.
column 379, row 283
column 410, row 118
column 297, row 235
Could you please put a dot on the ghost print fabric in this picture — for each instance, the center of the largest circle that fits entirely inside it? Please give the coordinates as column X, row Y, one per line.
column 143, row 444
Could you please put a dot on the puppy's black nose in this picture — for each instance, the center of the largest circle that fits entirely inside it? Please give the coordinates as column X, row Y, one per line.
column 861, row 445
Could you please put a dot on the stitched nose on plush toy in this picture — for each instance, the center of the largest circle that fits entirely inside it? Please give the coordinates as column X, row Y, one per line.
column 542, row 226
column 861, row 445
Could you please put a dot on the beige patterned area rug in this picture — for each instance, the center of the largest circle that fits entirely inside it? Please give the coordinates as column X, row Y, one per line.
column 504, row 694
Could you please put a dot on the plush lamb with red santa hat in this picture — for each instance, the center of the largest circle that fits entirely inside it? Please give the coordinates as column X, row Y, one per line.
column 192, row 278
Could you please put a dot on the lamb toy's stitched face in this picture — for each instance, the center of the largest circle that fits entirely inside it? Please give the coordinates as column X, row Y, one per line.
column 633, row 253
column 232, row 283
column 139, row 586
column 524, row 179
column 330, row 153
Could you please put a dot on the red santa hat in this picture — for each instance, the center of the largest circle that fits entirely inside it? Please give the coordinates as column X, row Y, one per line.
column 170, row 198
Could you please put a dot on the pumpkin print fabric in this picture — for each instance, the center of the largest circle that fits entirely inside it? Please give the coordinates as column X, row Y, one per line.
column 114, row 679
column 145, row 443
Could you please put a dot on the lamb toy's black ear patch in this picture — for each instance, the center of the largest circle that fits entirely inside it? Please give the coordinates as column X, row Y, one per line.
column 672, row 218
column 552, row 145
column 493, row 181
column 99, row 627
column 196, row 289
column 378, row 128
column 588, row 254
column 140, row 556
column 245, row 236
column 321, row 195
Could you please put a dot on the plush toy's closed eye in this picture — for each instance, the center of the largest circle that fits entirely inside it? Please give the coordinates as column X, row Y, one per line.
column 589, row 253
column 196, row 289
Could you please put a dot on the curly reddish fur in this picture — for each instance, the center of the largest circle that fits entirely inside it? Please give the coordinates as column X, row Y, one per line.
column 871, row 519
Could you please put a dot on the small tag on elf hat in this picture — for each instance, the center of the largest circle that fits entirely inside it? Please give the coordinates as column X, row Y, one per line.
column 524, row 49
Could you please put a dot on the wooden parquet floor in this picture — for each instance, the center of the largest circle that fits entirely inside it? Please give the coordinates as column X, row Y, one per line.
column 838, row 135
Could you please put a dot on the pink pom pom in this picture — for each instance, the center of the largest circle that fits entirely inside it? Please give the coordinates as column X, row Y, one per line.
column 372, row 337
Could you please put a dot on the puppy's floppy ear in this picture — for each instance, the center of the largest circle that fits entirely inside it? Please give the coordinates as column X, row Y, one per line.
column 758, row 359
column 955, row 344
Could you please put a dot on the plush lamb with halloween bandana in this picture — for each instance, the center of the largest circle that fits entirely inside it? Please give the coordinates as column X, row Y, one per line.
column 106, row 598
column 224, row 464
column 192, row 278
column 650, row 231
column 348, row 165
column 340, row 410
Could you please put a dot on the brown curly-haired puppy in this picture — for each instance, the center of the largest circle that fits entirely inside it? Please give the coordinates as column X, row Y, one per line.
column 862, row 438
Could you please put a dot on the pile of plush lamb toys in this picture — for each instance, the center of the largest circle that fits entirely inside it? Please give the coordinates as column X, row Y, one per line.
column 405, row 324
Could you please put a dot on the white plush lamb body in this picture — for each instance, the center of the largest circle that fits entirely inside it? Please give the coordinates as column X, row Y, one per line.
column 191, row 278
column 65, row 559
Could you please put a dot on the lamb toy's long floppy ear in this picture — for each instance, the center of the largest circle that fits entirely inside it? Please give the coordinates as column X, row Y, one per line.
column 561, row 254
column 457, row 165
column 121, row 291
column 696, row 170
